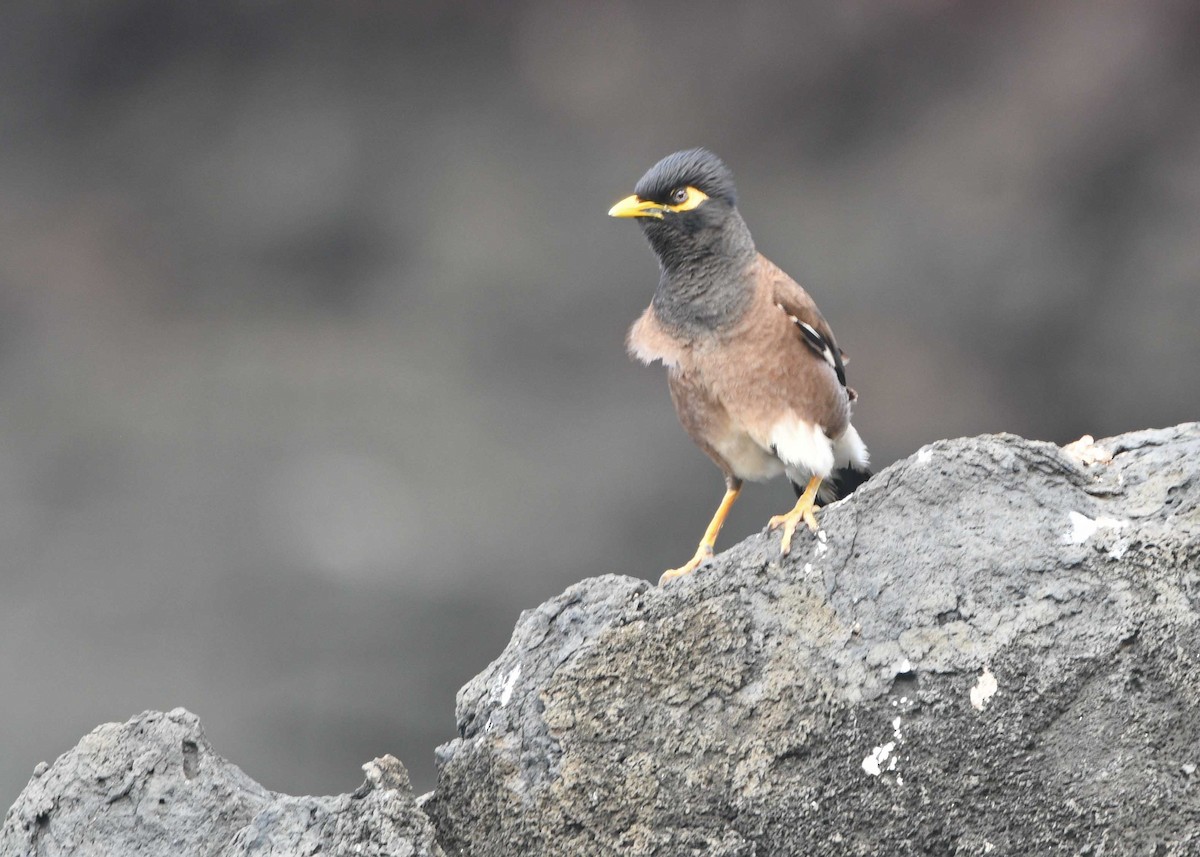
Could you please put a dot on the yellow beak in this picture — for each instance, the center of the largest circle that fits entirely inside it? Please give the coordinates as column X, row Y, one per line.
column 632, row 206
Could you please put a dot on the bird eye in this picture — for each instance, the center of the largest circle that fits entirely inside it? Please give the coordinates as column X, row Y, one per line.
column 679, row 195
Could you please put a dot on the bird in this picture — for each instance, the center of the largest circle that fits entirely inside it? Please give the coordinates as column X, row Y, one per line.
column 756, row 377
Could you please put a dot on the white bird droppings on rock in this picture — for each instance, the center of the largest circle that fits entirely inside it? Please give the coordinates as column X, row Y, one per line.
column 985, row 688
column 873, row 763
column 884, row 757
column 1083, row 527
column 510, row 681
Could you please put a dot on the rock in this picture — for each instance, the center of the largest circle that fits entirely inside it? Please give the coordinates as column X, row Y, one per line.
column 991, row 647
column 154, row 786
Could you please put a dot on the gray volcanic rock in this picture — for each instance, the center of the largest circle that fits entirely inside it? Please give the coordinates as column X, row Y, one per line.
column 154, row 786
column 991, row 647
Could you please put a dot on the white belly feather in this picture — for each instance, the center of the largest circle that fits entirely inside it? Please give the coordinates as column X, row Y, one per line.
column 746, row 458
column 795, row 446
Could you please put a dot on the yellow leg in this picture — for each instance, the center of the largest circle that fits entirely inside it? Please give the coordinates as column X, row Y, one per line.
column 705, row 549
column 802, row 511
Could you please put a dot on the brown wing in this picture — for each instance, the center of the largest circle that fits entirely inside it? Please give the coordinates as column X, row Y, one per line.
column 811, row 326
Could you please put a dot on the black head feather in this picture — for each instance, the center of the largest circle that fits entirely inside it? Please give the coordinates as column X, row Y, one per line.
column 698, row 168
column 704, row 251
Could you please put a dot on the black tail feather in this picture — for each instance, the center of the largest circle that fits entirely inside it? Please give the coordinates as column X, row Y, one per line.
column 844, row 481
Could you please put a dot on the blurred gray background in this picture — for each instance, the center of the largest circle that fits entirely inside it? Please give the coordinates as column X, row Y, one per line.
column 311, row 320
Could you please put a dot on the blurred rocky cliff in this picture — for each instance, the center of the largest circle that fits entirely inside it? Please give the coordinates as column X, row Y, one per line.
column 311, row 322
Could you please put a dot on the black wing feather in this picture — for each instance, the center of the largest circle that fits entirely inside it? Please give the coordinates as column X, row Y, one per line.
column 826, row 350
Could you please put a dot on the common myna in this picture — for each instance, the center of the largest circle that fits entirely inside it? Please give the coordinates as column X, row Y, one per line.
column 755, row 374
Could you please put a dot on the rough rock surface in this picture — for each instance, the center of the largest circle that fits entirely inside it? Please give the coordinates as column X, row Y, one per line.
column 154, row 786
column 992, row 647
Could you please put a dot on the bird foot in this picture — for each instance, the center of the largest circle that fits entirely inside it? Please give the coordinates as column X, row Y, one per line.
column 802, row 512
column 702, row 555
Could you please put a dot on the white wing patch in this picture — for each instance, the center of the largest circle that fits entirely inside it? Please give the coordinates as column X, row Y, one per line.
column 819, row 341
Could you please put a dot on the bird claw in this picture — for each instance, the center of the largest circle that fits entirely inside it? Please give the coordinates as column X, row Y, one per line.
column 789, row 522
column 687, row 568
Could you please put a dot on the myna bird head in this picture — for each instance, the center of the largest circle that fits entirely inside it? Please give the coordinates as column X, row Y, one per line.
column 679, row 185
column 686, row 205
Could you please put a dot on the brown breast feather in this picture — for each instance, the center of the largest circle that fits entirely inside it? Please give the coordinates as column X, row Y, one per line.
column 763, row 367
column 734, row 386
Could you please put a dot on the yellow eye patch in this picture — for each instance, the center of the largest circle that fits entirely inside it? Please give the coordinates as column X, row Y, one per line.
column 635, row 206
column 694, row 198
